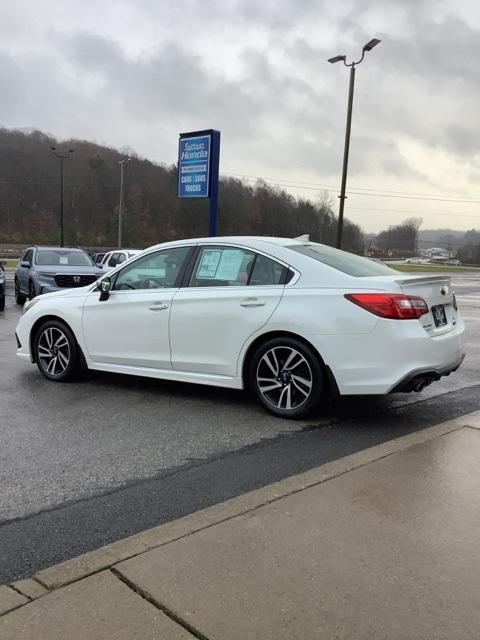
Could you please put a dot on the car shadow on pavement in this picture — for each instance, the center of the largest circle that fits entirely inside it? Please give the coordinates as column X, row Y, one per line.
column 153, row 389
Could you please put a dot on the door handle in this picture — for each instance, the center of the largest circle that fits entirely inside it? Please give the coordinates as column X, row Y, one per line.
column 252, row 302
column 158, row 306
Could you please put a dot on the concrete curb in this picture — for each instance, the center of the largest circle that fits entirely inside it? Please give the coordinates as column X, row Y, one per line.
column 95, row 561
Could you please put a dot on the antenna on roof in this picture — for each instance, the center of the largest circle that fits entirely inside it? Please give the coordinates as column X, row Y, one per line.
column 305, row 238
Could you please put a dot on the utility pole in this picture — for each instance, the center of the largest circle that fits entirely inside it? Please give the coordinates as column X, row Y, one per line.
column 368, row 47
column 62, row 155
column 122, row 164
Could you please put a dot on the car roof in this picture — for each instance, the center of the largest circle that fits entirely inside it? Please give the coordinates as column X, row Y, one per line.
column 283, row 242
column 55, row 247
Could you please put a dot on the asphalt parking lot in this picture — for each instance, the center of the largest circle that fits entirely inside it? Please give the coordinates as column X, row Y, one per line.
column 85, row 463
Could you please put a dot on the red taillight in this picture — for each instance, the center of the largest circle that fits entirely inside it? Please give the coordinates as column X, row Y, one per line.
column 396, row 306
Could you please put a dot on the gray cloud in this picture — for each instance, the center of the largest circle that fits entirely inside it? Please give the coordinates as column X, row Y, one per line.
column 138, row 73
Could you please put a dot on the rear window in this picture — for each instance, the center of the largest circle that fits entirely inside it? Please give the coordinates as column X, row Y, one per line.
column 343, row 261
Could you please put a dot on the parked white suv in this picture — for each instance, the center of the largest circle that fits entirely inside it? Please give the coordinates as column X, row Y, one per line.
column 113, row 258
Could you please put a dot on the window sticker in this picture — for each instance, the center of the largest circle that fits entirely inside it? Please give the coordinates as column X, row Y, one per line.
column 230, row 264
column 209, row 263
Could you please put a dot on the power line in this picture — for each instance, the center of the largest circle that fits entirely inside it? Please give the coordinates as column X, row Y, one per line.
column 310, row 186
column 420, row 213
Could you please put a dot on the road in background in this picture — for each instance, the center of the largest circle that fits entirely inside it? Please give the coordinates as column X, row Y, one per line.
column 89, row 462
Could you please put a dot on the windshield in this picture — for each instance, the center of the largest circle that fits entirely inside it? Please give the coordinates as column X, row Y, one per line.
column 63, row 257
column 344, row 261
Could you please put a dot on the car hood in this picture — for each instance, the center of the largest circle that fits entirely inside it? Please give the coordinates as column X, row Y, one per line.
column 66, row 269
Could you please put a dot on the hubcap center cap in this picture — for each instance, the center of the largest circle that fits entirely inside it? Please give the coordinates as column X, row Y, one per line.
column 284, row 377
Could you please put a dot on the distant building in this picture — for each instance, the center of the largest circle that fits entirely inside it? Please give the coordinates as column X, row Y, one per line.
column 437, row 252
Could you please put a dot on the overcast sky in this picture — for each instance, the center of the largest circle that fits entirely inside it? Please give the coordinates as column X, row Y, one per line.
column 136, row 73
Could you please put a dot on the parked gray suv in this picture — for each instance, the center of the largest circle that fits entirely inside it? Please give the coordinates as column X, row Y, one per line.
column 47, row 269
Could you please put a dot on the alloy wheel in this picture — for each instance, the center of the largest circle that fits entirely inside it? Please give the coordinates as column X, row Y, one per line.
column 284, row 378
column 53, row 351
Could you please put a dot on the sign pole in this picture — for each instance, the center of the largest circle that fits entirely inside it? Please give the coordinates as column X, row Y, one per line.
column 214, row 168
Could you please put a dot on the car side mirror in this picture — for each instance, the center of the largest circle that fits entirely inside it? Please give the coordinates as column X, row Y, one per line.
column 104, row 286
column 99, row 265
column 26, row 263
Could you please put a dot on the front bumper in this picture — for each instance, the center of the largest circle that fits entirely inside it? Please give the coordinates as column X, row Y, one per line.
column 49, row 287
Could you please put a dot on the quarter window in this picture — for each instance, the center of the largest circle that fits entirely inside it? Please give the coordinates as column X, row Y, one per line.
column 267, row 271
column 156, row 271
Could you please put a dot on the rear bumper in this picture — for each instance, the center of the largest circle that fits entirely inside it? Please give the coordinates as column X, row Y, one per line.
column 390, row 357
column 420, row 378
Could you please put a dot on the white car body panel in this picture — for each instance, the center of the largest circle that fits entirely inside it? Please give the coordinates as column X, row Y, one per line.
column 203, row 334
column 225, row 318
column 110, row 331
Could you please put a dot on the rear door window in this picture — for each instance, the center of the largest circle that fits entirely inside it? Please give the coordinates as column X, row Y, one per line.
column 222, row 267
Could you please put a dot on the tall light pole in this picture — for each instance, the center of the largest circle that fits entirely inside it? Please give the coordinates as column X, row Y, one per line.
column 63, row 155
column 368, row 47
column 122, row 164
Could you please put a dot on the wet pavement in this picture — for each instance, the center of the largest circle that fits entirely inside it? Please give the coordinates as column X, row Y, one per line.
column 109, row 455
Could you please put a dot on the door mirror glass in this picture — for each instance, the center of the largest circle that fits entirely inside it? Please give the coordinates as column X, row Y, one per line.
column 26, row 264
column 104, row 286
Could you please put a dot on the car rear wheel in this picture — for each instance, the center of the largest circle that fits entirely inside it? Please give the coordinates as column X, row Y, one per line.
column 20, row 298
column 56, row 352
column 287, row 377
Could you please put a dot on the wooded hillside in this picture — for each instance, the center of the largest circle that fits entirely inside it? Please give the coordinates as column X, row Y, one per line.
column 30, row 188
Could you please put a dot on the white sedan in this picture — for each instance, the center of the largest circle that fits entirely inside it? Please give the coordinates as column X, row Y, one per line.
column 292, row 320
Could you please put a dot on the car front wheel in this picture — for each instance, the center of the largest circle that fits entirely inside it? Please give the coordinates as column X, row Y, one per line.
column 20, row 298
column 55, row 350
column 287, row 377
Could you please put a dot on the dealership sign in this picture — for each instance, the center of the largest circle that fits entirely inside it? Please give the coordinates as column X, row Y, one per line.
column 198, row 163
column 194, row 156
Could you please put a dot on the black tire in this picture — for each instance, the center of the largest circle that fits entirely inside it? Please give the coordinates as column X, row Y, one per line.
column 20, row 298
column 295, row 373
column 31, row 290
column 2, row 302
column 56, row 352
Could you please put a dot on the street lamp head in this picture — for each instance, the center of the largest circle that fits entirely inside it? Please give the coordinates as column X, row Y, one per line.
column 337, row 59
column 373, row 43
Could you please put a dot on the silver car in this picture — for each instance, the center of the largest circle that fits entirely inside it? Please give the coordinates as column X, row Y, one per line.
column 47, row 269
